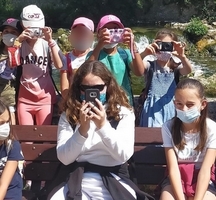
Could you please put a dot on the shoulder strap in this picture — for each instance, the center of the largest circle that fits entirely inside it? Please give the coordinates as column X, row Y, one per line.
column 69, row 67
column 150, row 75
column 177, row 75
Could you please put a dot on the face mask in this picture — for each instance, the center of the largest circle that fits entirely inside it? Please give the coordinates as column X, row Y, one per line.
column 110, row 46
column 82, row 45
column 164, row 56
column 102, row 97
column 8, row 39
column 188, row 116
column 4, row 131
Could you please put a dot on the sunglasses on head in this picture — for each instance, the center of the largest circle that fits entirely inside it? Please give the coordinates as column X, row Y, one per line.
column 99, row 87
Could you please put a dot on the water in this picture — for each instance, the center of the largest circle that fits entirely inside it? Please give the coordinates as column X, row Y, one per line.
column 202, row 66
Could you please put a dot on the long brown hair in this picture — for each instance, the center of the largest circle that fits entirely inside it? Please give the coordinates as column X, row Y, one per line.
column 115, row 96
column 177, row 123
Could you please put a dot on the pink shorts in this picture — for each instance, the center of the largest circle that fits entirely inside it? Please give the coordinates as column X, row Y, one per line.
column 31, row 114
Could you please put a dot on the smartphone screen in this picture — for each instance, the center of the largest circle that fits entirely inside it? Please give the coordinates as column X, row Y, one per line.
column 91, row 95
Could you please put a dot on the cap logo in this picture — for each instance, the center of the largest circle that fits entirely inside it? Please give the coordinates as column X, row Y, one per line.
column 111, row 18
column 10, row 20
column 34, row 15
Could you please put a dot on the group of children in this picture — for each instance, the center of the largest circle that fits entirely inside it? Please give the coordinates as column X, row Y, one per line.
column 98, row 138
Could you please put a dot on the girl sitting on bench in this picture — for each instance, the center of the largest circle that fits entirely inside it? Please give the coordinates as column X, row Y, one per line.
column 189, row 140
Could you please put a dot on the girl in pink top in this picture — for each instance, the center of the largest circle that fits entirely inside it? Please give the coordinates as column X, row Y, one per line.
column 36, row 93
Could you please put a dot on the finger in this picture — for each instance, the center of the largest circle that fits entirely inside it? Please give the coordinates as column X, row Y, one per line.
column 100, row 105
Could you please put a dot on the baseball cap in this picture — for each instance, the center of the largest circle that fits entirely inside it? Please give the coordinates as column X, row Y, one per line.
column 84, row 21
column 15, row 23
column 32, row 16
column 107, row 19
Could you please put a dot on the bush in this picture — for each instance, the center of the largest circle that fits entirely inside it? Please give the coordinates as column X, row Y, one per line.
column 195, row 30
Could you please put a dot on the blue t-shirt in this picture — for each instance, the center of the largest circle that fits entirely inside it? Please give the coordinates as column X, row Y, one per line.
column 15, row 187
column 116, row 64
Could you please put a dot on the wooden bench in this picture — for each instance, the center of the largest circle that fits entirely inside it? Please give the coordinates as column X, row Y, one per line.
column 42, row 164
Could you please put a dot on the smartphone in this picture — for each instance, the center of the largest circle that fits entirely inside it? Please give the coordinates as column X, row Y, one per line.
column 91, row 95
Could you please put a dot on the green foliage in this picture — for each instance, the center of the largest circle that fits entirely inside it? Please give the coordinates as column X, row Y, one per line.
column 195, row 30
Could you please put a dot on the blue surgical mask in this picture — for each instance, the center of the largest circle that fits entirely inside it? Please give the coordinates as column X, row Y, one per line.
column 102, row 97
column 188, row 116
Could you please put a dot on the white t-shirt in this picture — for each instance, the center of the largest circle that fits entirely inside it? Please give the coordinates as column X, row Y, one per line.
column 188, row 154
column 106, row 146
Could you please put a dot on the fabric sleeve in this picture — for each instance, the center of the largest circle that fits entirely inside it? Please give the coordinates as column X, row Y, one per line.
column 166, row 135
column 211, row 142
column 69, row 142
column 15, row 152
column 120, row 141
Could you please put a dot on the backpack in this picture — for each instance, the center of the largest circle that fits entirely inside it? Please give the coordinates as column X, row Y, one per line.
column 142, row 97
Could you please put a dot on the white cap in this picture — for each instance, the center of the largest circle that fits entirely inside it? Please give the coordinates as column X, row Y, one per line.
column 32, row 16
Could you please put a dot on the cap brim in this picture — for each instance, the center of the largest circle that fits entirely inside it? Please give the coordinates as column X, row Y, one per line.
column 115, row 22
column 39, row 24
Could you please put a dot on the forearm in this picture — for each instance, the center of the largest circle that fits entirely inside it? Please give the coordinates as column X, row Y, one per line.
column 56, row 56
column 175, row 179
column 202, row 185
column 64, row 84
column 2, row 192
column 187, row 67
column 138, row 66
column 95, row 53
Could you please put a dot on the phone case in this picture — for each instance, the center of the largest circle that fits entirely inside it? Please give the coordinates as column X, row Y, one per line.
column 91, row 95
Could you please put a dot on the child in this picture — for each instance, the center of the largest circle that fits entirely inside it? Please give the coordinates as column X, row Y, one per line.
column 81, row 38
column 98, row 138
column 189, row 140
column 10, row 154
column 10, row 29
column 118, row 61
column 36, row 92
column 161, row 76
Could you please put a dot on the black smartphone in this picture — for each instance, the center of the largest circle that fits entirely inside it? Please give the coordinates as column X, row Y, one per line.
column 165, row 46
column 91, row 95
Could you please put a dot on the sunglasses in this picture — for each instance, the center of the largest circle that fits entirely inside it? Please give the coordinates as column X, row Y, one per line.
column 99, row 87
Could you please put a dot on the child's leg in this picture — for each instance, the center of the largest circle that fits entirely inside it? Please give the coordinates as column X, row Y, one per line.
column 44, row 115
column 25, row 114
column 167, row 193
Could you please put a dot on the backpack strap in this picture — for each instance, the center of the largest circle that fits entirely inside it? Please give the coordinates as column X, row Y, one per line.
column 69, row 67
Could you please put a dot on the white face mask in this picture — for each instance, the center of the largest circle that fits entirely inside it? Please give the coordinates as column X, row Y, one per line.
column 164, row 56
column 110, row 46
column 188, row 116
column 8, row 39
column 4, row 131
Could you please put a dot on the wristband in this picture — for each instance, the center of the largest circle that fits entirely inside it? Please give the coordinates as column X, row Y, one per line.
column 52, row 43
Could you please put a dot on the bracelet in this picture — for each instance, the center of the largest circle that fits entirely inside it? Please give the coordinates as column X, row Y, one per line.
column 135, row 49
column 52, row 44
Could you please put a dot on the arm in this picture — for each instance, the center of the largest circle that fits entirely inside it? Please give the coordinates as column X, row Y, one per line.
column 64, row 83
column 180, row 53
column 204, row 174
column 7, row 176
column 103, row 39
column 172, row 162
column 69, row 142
column 57, row 55
column 174, row 173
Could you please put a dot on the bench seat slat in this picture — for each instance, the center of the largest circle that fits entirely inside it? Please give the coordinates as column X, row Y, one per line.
column 39, row 152
column 26, row 133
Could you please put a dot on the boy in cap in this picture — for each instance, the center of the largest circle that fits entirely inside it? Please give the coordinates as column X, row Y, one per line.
column 118, row 61
column 10, row 30
column 81, row 39
column 36, row 93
